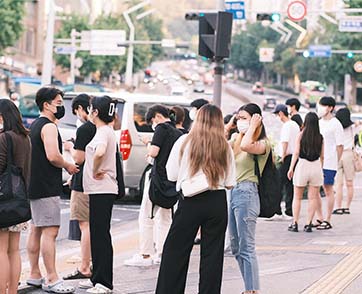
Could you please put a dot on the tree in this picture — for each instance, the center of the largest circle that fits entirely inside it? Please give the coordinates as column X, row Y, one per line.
column 153, row 27
column 11, row 15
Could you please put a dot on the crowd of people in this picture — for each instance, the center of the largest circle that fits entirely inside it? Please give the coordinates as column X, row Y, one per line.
column 201, row 187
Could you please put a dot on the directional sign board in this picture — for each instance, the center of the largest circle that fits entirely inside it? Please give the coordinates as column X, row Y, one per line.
column 105, row 42
column 237, row 8
column 320, row 51
column 65, row 50
column 350, row 24
column 266, row 54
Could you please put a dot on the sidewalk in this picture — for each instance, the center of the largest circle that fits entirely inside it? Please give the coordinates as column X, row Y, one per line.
column 322, row 262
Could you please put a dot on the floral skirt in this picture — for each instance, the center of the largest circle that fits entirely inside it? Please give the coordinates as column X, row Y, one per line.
column 16, row 228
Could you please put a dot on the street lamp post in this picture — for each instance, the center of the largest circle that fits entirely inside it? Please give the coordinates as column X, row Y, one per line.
column 48, row 53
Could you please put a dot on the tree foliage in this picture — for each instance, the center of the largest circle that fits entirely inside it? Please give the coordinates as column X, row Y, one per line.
column 11, row 15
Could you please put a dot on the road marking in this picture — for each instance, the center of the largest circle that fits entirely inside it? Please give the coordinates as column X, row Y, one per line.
column 338, row 279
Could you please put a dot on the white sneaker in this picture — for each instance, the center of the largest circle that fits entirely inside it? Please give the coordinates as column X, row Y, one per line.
column 275, row 217
column 138, row 260
column 99, row 289
column 287, row 217
column 87, row 284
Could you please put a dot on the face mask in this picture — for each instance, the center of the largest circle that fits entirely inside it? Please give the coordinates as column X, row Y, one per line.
column 78, row 123
column 154, row 125
column 243, row 126
column 1, row 127
column 322, row 111
column 289, row 111
column 192, row 114
column 60, row 112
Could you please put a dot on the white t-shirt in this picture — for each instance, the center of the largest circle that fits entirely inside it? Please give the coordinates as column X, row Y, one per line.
column 289, row 133
column 332, row 132
column 178, row 170
column 108, row 185
column 348, row 137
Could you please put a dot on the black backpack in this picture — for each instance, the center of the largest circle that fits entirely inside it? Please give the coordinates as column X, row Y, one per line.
column 162, row 192
column 269, row 187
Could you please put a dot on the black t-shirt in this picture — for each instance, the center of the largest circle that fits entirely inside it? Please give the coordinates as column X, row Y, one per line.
column 164, row 137
column 298, row 119
column 85, row 134
column 45, row 178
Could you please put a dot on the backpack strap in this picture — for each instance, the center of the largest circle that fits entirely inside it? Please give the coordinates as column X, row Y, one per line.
column 9, row 152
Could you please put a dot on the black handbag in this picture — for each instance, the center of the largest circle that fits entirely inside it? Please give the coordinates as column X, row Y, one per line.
column 14, row 204
column 120, row 178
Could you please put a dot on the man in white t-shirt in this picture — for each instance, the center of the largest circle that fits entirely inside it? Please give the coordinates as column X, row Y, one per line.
column 332, row 132
column 288, row 136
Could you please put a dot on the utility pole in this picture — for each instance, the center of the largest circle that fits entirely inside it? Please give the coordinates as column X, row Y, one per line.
column 73, row 36
column 48, row 51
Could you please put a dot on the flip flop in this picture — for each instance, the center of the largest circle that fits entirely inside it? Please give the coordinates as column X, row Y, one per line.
column 346, row 211
column 35, row 282
column 76, row 275
column 319, row 222
column 57, row 287
column 324, row 226
column 338, row 211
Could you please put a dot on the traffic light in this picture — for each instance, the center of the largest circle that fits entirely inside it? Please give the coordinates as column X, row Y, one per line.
column 274, row 17
column 350, row 54
column 215, row 34
column 192, row 16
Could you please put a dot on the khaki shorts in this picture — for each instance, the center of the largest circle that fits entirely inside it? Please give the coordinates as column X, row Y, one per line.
column 79, row 206
column 346, row 167
column 308, row 173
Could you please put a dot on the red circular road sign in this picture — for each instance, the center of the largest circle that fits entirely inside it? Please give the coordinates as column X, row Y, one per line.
column 358, row 66
column 297, row 10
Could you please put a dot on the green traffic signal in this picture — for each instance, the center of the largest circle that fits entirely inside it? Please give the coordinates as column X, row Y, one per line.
column 275, row 17
column 350, row 55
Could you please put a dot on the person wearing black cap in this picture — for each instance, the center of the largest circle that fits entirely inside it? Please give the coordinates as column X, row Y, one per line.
column 288, row 136
column 345, row 166
column 293, row 105
column 332, row 132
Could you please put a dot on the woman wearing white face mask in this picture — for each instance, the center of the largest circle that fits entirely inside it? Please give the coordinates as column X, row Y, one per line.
column 244, row 203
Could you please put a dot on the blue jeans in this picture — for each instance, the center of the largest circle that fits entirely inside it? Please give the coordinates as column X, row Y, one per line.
column 244, row 210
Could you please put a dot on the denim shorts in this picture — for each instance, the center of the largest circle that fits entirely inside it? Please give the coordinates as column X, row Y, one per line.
column 329, row 176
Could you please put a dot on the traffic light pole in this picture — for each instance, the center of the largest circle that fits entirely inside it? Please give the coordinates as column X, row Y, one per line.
column 218, row 71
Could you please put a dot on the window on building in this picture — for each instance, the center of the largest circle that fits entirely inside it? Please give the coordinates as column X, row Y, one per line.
column 30, row 42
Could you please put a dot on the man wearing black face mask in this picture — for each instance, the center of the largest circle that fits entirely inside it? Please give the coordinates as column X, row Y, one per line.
column 45, row 188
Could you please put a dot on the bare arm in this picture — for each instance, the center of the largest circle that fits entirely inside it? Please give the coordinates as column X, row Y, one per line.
column 322, row 154
column 247, row 143
column 296, row 153
column 153, row 150
column 284, row 149
column 339, row 152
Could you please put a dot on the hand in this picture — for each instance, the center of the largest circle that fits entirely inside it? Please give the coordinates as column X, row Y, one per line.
column 99, row 175
column 68, row 145
column 145, row 140
column 290, row 174
column 230, row 125
column 71, row 168
column 255, row 121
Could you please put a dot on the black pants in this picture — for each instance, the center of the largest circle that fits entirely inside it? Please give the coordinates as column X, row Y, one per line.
column 100, row 214
column 287, row 184
column 208, row 211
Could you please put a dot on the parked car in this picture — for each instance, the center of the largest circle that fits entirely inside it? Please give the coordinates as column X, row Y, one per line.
column 258, row 88
column 131, row 110
column 199, row 87
column 269, row 103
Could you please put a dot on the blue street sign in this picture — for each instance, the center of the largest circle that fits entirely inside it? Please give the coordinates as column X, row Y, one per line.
column 237, row 8
column 350, row 24
column 320, row 51
column 65, row 50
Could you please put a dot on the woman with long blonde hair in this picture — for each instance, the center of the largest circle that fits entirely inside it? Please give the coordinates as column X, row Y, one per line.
column 202, row 164
column 244, row 200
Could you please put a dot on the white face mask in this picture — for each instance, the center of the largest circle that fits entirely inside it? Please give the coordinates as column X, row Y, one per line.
column 154, row 125
column 289, row 110
column 243, row 126
column 322, row 111
column 1, row 126
column 192, row 114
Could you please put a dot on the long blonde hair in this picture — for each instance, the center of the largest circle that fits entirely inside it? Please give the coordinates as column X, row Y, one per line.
column 208, row 148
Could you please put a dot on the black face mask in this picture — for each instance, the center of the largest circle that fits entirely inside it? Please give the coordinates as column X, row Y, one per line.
column 60, row 112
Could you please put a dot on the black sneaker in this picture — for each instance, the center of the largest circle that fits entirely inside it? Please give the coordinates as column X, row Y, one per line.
column 293, row 227
column 308, row 228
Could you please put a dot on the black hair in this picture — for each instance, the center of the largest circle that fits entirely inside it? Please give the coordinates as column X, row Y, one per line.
column 187, row 122
column 12, row 117
column 227, row 118
column 198, row 103
column 253, row 108
column 177, row 114
column 293, row 102
column 327, row 101
column 106, row 107
column 344, row 117
column 153, row 110
column 46, row 94
column 81, row 100
column 311, row 141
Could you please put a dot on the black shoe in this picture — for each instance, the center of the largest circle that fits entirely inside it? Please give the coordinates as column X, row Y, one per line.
column 308, row 228
column 293, row 227
column 197, row 241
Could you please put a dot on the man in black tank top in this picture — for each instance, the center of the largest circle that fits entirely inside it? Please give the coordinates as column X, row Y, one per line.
column 45, row 188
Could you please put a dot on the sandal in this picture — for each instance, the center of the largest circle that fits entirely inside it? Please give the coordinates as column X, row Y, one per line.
column 319, row 222
column 346, row 211
column 58, row 287
column 99, row 289
column 324, row 226
column 35, row 282
column 76, row 275
column 338, row 211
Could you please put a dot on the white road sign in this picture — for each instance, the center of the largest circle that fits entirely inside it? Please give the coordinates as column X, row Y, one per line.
column 297, row 10
column 105, row 42
column 266, row 54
